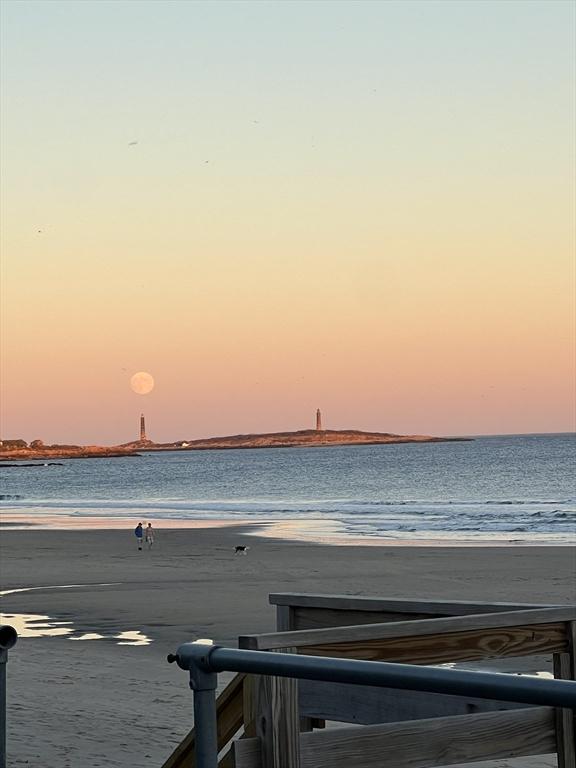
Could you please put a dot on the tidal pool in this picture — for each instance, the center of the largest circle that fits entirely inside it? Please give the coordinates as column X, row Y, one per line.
column 39, row 625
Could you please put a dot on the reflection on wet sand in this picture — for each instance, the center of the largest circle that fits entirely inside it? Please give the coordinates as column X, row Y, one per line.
column 59, row 586
column 133, row 638
column 37, row 625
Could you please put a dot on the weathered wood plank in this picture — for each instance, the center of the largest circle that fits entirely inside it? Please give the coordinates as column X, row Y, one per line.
column 434, row 743
column 247, row 753
column 565, row 725
column 319, row 618
column 461, row 646
column 403, row 629
column 229, row 712
column 249, row 705
column 366, row 705
column 397, row 605
column 278, row 720
column 422, row 743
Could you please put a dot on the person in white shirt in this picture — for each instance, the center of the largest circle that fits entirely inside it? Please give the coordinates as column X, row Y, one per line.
column 149, row 535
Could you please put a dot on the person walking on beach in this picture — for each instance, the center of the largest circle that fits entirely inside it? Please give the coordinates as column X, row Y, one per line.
column 139, row 533
column 149, row 535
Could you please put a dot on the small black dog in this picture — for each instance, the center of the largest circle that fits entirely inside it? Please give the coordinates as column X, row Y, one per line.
column 240, row 550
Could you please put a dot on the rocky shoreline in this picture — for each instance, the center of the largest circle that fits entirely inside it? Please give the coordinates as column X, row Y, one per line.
column 44, row 454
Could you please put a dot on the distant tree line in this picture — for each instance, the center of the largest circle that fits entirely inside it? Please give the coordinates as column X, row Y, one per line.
column 11, row 445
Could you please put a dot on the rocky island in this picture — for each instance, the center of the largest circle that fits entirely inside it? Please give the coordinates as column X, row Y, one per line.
column 305, row 438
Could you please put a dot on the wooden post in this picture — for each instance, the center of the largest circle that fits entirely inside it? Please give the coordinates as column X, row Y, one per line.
column 284, row 618
column 277, row 720
column 565, row 669
column 285, row 623
column 254, row 684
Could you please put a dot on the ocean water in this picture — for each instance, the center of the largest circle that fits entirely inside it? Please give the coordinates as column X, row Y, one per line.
column 519, row 488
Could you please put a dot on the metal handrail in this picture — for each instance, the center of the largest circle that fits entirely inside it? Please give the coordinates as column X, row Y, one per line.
column 203, row 662
column 8, row 638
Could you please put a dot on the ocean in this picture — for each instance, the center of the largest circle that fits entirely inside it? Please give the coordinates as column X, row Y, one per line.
column 516, row 488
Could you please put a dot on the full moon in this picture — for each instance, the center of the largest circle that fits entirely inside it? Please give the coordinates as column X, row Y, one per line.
column 142, row 383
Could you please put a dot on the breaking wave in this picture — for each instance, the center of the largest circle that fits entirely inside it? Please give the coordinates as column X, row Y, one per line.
column 357, row 516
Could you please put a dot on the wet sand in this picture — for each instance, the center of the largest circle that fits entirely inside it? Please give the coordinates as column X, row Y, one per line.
column 97, row 703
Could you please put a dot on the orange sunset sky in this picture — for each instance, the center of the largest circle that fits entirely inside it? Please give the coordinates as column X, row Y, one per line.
column 367, row 207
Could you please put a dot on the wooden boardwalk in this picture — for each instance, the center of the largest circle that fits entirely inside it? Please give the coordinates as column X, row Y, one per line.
column 269, row 722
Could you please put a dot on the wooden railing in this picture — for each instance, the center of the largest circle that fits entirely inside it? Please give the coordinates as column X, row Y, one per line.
column 421, row 743
column 311, row 611
column 432, row 641
column 275, row 716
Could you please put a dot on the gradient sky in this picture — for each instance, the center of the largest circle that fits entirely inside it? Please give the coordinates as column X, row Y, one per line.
column 362, row 206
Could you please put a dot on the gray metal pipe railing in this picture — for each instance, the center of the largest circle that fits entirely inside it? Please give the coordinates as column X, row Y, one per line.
column 203, row 662
column 8, row 638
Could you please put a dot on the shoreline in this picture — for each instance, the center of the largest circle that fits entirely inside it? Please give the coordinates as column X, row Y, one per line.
column 323, row 532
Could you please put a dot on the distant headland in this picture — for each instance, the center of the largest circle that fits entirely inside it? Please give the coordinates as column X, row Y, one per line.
column 306, row 438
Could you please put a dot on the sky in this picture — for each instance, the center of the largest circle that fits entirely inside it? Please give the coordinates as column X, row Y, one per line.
column 270, row 207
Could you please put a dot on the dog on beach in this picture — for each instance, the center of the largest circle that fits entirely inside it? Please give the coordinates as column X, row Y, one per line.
column 240, row 550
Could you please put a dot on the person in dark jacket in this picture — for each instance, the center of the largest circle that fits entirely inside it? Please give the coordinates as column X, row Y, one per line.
column 139, row 533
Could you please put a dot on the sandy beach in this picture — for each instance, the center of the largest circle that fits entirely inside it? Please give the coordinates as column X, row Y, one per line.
column 81, row 702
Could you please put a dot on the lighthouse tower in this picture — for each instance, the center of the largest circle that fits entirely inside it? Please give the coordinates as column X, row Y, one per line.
column 318, row 420
column 142, row 428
